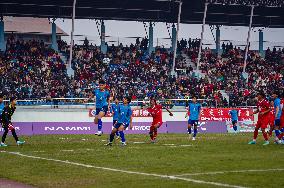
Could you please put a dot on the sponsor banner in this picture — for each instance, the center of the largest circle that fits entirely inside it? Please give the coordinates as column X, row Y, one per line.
column 135, row 113
column 24, row 128
column 42, row 128
column 203, row 127
column 88, row 128
column 243, row 126
column 63, row 128
column 222, row 114
column 206, row 114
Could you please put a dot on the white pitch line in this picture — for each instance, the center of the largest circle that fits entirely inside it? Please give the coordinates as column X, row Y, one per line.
column 126, row 171
column 138, row 142
column 233, row 171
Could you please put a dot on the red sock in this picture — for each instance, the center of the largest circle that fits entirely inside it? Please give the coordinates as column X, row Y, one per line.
column 264, row 135
column 270, row 132
column 255, row 134
column 155, row 134
column 152, row 132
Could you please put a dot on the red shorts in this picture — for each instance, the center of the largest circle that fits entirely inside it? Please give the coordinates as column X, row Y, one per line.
column 262, row 123
column 271, row 121
column 157, row 123
column 282, row 121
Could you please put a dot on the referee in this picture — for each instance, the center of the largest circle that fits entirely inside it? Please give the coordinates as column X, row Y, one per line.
column 6, row 117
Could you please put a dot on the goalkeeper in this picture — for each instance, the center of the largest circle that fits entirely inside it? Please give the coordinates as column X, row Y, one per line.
column 6, row 117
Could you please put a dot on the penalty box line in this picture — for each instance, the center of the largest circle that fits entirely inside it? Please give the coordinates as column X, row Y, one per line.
column 232, row 171
column 124, row 171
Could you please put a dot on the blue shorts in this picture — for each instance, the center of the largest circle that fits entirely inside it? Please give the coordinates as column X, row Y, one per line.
column 114, row 122
column 193, row 122
column 277, row 123
column 125, row 125
column 103, row 109
column 234, row 122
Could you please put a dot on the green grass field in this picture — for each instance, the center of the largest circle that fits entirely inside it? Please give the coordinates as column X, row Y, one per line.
column 213, row 160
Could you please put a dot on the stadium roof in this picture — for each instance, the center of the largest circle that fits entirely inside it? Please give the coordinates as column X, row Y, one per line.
column 28, row 25
column 150, row 10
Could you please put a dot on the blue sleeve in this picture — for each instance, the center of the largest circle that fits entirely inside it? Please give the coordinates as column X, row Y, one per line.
column 95, row 92
column 277, row 103
column 111, row 109
column 199, row 108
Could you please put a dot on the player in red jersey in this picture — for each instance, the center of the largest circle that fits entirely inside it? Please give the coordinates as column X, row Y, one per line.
column 263, row 109
column 156, row 111
column 271, row 118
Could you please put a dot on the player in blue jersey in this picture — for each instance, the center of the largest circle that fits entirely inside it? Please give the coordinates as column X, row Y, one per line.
column 115, row 114
column 124, row 121
column 1, row 104
column 234, row 116
column 277, row 113
column 194, row 109
column 102, row 105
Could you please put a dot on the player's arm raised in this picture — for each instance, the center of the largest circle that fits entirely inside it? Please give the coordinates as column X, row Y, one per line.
column 168, row 110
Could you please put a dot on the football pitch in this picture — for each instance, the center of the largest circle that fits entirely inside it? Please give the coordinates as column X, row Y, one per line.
column 213, row 160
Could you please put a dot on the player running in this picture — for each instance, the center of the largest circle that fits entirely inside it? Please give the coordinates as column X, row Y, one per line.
column 6, row 117
column 156, row 111
column 115, row 114
column 263, row 109
column 124, row 120
column 234, row 116
column 102, row 105
column 194, row 109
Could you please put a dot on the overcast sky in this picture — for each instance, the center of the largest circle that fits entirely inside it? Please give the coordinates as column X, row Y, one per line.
column 120, row 29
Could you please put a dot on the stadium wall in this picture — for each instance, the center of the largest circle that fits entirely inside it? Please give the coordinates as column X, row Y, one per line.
column 78, row 121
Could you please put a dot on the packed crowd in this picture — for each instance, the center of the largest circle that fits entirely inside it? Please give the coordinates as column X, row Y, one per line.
column 30, row 69
column 263, row 74
column 130, row 71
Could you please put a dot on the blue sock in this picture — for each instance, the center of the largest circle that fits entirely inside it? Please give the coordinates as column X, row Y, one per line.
column 117, row 133
column 100, row 124
column 235, row 127
column 194, row 132
column 111, row 137
column 277, row 132
column 121, row 133
column 189, row 130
